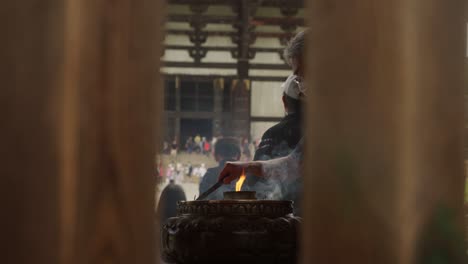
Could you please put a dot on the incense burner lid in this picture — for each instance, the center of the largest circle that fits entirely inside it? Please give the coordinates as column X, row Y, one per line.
column 260, row 208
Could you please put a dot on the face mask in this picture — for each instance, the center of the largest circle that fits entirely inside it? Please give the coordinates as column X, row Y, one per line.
column 294, row 87
column 300, row 86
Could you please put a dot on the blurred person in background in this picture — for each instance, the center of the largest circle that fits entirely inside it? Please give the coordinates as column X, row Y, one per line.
column 170, row 196
column 170, row 171
column 190, row 170
column 180, row 172
column 226, row 149
column 196, row 142
column 206, row 147
column 166, row 150
column 174, row 147
column 189, row 145
column 202, row 170
column 159, row 171
column 202, row 145
column 213, row 143
column 246, row 150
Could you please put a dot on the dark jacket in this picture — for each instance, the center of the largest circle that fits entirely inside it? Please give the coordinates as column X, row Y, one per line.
column 210, row 178
column 278, row 141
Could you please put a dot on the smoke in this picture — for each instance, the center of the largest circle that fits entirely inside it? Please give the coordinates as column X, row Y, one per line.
column 275, row 189
column 268, row 190
column 282, row 166
column 279, row 190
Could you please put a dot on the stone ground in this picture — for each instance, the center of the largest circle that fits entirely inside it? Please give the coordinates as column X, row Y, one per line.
column 184, row 158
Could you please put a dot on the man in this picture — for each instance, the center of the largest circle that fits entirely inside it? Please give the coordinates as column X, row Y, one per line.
column 282, row 138
column 226, row 149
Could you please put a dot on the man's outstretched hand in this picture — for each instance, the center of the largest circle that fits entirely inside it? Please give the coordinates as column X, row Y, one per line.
column 233, row 170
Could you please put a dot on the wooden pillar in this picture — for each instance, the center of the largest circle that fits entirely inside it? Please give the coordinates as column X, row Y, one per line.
column 240, row 110
column 115, row 78
column 218, row 85
column 82, row 96
column 178, row 111
column 32, row 54
column 244, row 38
column 384, row 161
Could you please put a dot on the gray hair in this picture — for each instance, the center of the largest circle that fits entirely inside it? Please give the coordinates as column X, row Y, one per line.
column 295, row 47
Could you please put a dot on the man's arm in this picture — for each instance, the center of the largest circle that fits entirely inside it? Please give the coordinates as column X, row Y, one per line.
column 285, row 168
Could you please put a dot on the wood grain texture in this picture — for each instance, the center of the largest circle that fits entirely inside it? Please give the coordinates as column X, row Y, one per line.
column 110, row 204
column 31, row 54
column 80, row 98
column 384, row 164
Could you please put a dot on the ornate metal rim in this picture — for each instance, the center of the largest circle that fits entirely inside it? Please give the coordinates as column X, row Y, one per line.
column 263, row 208
column 278, row 202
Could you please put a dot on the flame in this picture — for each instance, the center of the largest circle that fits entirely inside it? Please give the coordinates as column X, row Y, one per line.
column 240, row 182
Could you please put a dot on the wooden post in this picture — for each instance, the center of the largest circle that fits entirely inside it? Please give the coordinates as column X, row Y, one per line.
column 176, row 135
column 32, row 53
column 115, row 78
column 384, row 161
column 218, row 86
column 240, row 109
column 82, row 96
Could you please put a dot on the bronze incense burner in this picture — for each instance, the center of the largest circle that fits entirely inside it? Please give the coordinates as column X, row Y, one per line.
column 239, row 229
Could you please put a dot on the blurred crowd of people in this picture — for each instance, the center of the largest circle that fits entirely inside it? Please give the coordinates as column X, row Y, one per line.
column 202, row 145
column 177, row 164
column 178, row 171
column 193, row 144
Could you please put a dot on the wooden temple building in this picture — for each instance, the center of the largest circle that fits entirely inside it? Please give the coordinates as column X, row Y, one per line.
column 223, row 65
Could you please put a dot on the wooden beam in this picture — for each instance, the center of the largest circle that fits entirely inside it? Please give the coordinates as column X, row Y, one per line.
column 230, row 33
column 196, row 78
column 226, row 77
column 205, row 18
column 281, row 3
column 243, row 39
column 218, row 48
column 265, row 3
column 258, row 66
column 384, row 168
column 274, row 21
column 265, row 119
column 278, row 21
column 268, row 78
column 193, row 115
